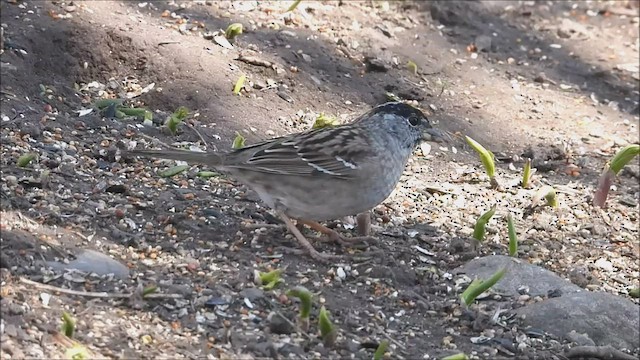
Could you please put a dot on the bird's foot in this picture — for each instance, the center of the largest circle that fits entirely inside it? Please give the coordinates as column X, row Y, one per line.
column 315, row 254
column 334, row 236
column 308, row 248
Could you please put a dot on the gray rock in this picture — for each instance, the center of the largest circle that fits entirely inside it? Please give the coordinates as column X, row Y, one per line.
column 483, row 43
column 374, row 64
column 606, row 319
column 91, row 261
column 519, row 274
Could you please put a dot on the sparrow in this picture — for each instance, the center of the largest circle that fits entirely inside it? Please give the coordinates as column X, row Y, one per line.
column 326, row 173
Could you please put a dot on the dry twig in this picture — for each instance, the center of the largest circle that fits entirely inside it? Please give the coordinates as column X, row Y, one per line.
column 93, row 294
column 599, row 352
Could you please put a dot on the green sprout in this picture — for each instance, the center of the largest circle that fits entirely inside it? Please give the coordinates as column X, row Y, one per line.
column 233, row 30
column 547, row 193
column 207, row 174
column 305, row 297
column 323, row 121
column 271, row 279
column 526, row 174
column 176, row 118
column 239, row 84
column 238, row 141
column 328, row 332
column 137, row 112
column 382, row 348
column 481, row 224
column 174, row 170
column 392, row 97
column 478, row 286
column 622, row 157
column 551, row 198
column 25, row 159
column 513, row 237
column 120, row 110
column 105, row 103
column 413, row 67
column 487, row 159
column 77, row 352
column 294, row 5
column 68, row 325
column 619, row 161
column 149, row 290
column 458, row 356
column 635, row 292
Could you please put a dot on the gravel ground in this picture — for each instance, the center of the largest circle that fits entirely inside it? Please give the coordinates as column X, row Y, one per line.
column 85, row 231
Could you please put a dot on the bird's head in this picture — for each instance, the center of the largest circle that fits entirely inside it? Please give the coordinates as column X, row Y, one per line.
column 403, row 120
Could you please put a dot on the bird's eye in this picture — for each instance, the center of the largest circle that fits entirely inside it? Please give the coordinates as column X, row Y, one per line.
column 414, row 120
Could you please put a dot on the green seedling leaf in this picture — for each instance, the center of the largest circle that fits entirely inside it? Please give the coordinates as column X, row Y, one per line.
column 181, row 113
column 477, row 287
column 25, row 159
column 175, row 170
column 487, row 159
column 271, row 285
column 459, row 356
column 172, row 124
column 323, row 121
column 238, row 142
column 305, row 297
column 513, row 237
column 328, row 332
column 481, row 224
column 239, row 84
column 105, row 103
column 547, row 193
column 176, row 118
column 293, row 6
column 207, row 174
column 382, row 348
column 392, row 96
column 68, row 325
column 149, row 290
column 137, row 112
column 551, row 198
column 622, row 158
column 120, row 114
column 412, row 67
column 269, row 277
column 233, row 30
column 635, row 292
column 526, row 174
column 77, row 352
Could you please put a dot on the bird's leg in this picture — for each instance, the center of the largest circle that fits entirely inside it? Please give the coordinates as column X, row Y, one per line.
column 303, row 241
column 334, row 235
column 363, row 220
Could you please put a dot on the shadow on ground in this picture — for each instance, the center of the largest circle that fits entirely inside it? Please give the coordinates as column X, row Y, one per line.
column 518, row 36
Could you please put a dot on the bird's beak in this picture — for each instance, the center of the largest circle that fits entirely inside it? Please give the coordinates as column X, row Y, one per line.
column 436, row 135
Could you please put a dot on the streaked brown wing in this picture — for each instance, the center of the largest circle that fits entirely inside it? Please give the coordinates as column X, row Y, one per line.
column 329, row 151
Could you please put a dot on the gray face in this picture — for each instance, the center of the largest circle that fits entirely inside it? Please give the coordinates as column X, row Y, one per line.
column 407, row 123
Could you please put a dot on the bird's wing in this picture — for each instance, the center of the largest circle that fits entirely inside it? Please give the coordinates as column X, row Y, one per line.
column 336, row 152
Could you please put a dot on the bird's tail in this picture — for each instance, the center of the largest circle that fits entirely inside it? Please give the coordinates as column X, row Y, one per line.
column 205, row 158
